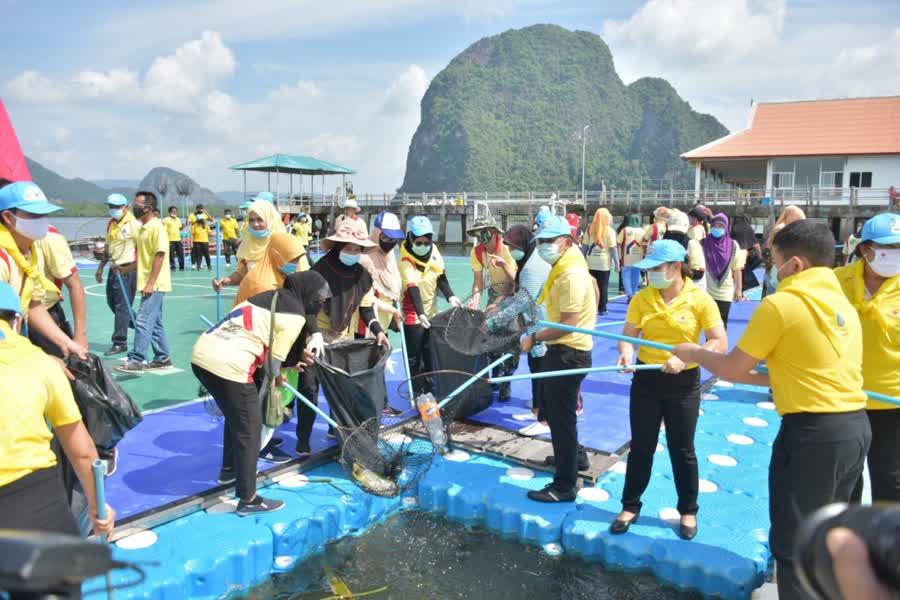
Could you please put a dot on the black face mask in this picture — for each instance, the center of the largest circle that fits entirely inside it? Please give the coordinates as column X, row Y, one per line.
column 139, row 211
column 387, row 246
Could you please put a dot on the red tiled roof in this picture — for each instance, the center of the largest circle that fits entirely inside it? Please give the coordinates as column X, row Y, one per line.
column 812, row 128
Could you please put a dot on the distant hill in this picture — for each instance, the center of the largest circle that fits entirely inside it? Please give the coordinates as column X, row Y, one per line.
column 507, row 114
column 171, row 185
column 62, row 190
column 115, row 184
column 231, row 196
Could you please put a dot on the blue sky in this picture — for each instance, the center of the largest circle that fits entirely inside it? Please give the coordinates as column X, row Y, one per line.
column 102, row 89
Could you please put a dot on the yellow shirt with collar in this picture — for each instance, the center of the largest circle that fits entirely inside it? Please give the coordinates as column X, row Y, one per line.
column 496, row 275
column 27, row 404
column 11, row 274
column 151, row 240
column 58, row 263
column 795, row 331
column 424, row 275
column 879, row 316
column 173, row 228
column 572, row 291
column 228, row 227
column 121, row 248
column 200, row 231
column 688, row 315
column 697, row 232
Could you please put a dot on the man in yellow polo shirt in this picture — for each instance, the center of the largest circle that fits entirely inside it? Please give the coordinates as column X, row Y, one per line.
column 154, row 280
column 228, row 227
column 872, row 284
column 201, row 222
column 811, row 338
column 174, row 225
column 121, row 253
column 570, row 299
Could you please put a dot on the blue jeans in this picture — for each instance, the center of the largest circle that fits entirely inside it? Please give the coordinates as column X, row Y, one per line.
column 631, row 278
column 149, row 330
column 118, row 304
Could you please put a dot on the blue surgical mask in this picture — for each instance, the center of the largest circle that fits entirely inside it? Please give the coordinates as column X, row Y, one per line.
column 288, row 268
column 259, row 233
column 517, row 254
column 349, row 259
column 717, row 232
column 658, row 279
column 421, row 249
column 116, row 213
column 549, row 252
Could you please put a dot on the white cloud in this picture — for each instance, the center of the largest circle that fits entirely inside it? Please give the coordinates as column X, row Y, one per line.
column 405, row 95
column 302, row 92
column 32, row 86
column 115, row 83
column 61, row 134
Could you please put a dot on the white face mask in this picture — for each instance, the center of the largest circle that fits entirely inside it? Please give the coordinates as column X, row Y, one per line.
column 33, row 229
column 549, row 252
column 886, row 262
column 349, row 259
column 658, row 279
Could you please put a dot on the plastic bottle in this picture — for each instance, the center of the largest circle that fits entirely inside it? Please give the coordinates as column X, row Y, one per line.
column 431, row 416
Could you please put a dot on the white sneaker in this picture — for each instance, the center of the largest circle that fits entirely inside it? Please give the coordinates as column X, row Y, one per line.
column 535, row 429
column 525, row 416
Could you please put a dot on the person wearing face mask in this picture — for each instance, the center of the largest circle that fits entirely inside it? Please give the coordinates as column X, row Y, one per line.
column 724, row 266
column 602, row 254
column 262, row 221
column 872, row 285
column 201, row 228
column 790, row 214
column 381, row 264
column 811, row 338
column 154, row 280
column 351, row 301
column 174, row 225
column 23, row 222
column 303, row 228
column 422, row 276
column 228, row 228
column 120, row 253
column 282, row 258
column 671, row 310
column 631, row 239
column 569, row 298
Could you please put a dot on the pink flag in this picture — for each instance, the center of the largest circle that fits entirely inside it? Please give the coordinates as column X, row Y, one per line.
column 12, row 161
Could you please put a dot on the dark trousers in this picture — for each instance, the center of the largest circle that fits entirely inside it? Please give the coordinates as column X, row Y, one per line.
column 602, row 278
column 199, row 251
column 536, row 365
column 37, row 502
column 658, row 397
column 42, row 342
column 118, row 302
column 418, row 349
column 306, row 417
column 507, row 367
column 176, row 250
column 884, row 458
column 230, row 246
column 724, row 309
column 816, row 460
column 240, row 404
column 560, row 403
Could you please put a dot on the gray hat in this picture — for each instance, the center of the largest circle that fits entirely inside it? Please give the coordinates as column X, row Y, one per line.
column 483, row 223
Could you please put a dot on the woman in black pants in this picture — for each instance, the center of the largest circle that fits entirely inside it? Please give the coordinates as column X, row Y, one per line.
column 224, row 360
column 602, row 254
column 671, row 310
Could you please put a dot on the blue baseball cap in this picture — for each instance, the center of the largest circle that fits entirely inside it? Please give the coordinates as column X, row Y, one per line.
column 553, row 227
column 9, row 299
column 267, row 196
column 662, row 251
column 420, row 226
column 27, row 197
column 883, row 228
column 389, row 225
column 117, row 200
column 245, row 205
column 543, row 215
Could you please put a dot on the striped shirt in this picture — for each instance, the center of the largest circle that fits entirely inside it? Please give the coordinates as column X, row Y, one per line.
column 531, row 279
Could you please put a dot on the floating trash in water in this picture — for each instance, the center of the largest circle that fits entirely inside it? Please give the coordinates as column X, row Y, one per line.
column 285, row 562
column 553, row 549
column 411, row 501
column 707, row 486
column 722, row 460
column 136, row 541
column 740, row 440
column 755, row 422
column 766, row 405
column 457, row 455
column 519, row 473
column 593, row 494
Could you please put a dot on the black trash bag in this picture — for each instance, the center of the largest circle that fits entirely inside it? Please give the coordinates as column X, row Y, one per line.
column 445, row 358
column 107, row 410
column 352, row 378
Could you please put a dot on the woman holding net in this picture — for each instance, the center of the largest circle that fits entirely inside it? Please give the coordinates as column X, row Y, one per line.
column 263, row 220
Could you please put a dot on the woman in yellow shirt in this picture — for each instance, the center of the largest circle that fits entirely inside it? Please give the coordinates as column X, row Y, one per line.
column 671, row 310
column 602, row 254
column 262, row 221
column 200, row 230
column 872, row 285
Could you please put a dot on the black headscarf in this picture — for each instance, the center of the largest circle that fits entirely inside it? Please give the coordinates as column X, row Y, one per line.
column 348, row 286
column 678, row 236
column 309, row 288
column 742, row 232
column 519, row 236
column 408, row 244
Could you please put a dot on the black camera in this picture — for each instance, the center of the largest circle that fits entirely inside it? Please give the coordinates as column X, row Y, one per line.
column 879, row 528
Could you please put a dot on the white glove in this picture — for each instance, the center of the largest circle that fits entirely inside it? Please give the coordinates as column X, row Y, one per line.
column 424, row 322
column 316, row 344
column 456, row 302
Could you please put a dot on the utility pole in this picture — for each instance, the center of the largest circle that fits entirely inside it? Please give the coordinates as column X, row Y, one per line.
column 583, row 146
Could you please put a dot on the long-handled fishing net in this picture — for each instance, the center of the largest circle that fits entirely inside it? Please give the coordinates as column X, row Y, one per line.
column 490, row 321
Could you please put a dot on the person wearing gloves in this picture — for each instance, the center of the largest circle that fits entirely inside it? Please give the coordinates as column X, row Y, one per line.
column 422, row 275
column 872, row 285
column 632, row 251
column 724, row 266
column 262, row 221
column 602, row 254
column 351, row 300
column 225, row 358
column 671, row 310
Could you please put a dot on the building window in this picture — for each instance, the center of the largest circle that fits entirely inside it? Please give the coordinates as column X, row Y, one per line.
column 861, row 179
column 832, row 179
column 783, row 180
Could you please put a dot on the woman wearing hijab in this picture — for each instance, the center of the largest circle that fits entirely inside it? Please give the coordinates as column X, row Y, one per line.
column 602, row 254
column 423, row 275
column 351, row 302
column 282, row 258
column 723, row 266
column 742, row 232
column 225, row 357
column 262, row 221
column 630, row 240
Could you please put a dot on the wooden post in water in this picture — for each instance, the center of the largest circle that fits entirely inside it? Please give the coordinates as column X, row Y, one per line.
column 442, row 226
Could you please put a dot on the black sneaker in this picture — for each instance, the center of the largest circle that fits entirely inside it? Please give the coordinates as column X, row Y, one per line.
column 551, row 493
column 111, row 462
column 226, row 476
column 258, row 505
column 303, row 450
column 584, row 463
column 274, row 455
column 276, row 441
column 131, row 367
column 115, row 349
column 164, row 363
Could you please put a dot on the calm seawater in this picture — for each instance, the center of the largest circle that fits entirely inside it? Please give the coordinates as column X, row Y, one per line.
column 74, row 228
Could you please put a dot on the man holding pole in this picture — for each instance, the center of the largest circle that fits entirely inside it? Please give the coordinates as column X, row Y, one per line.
column 121, row 254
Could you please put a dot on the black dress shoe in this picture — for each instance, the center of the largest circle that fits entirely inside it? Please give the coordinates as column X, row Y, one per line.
column 115, row 349
column 687, row 533
column 584, row 463
column 619, row 527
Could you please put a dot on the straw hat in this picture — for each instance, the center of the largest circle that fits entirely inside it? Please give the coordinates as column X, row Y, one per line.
column 483, row 223
column 351, row 203
column 349, row 231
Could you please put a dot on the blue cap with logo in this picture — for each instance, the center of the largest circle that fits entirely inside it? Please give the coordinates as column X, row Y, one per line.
column 117, row 200
column 883, row 228
column 553, row 227
column 662, row 251
column 389, row 225
column 9, row 299
column 267, row 196
column 27, row 197
column 420, row 226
